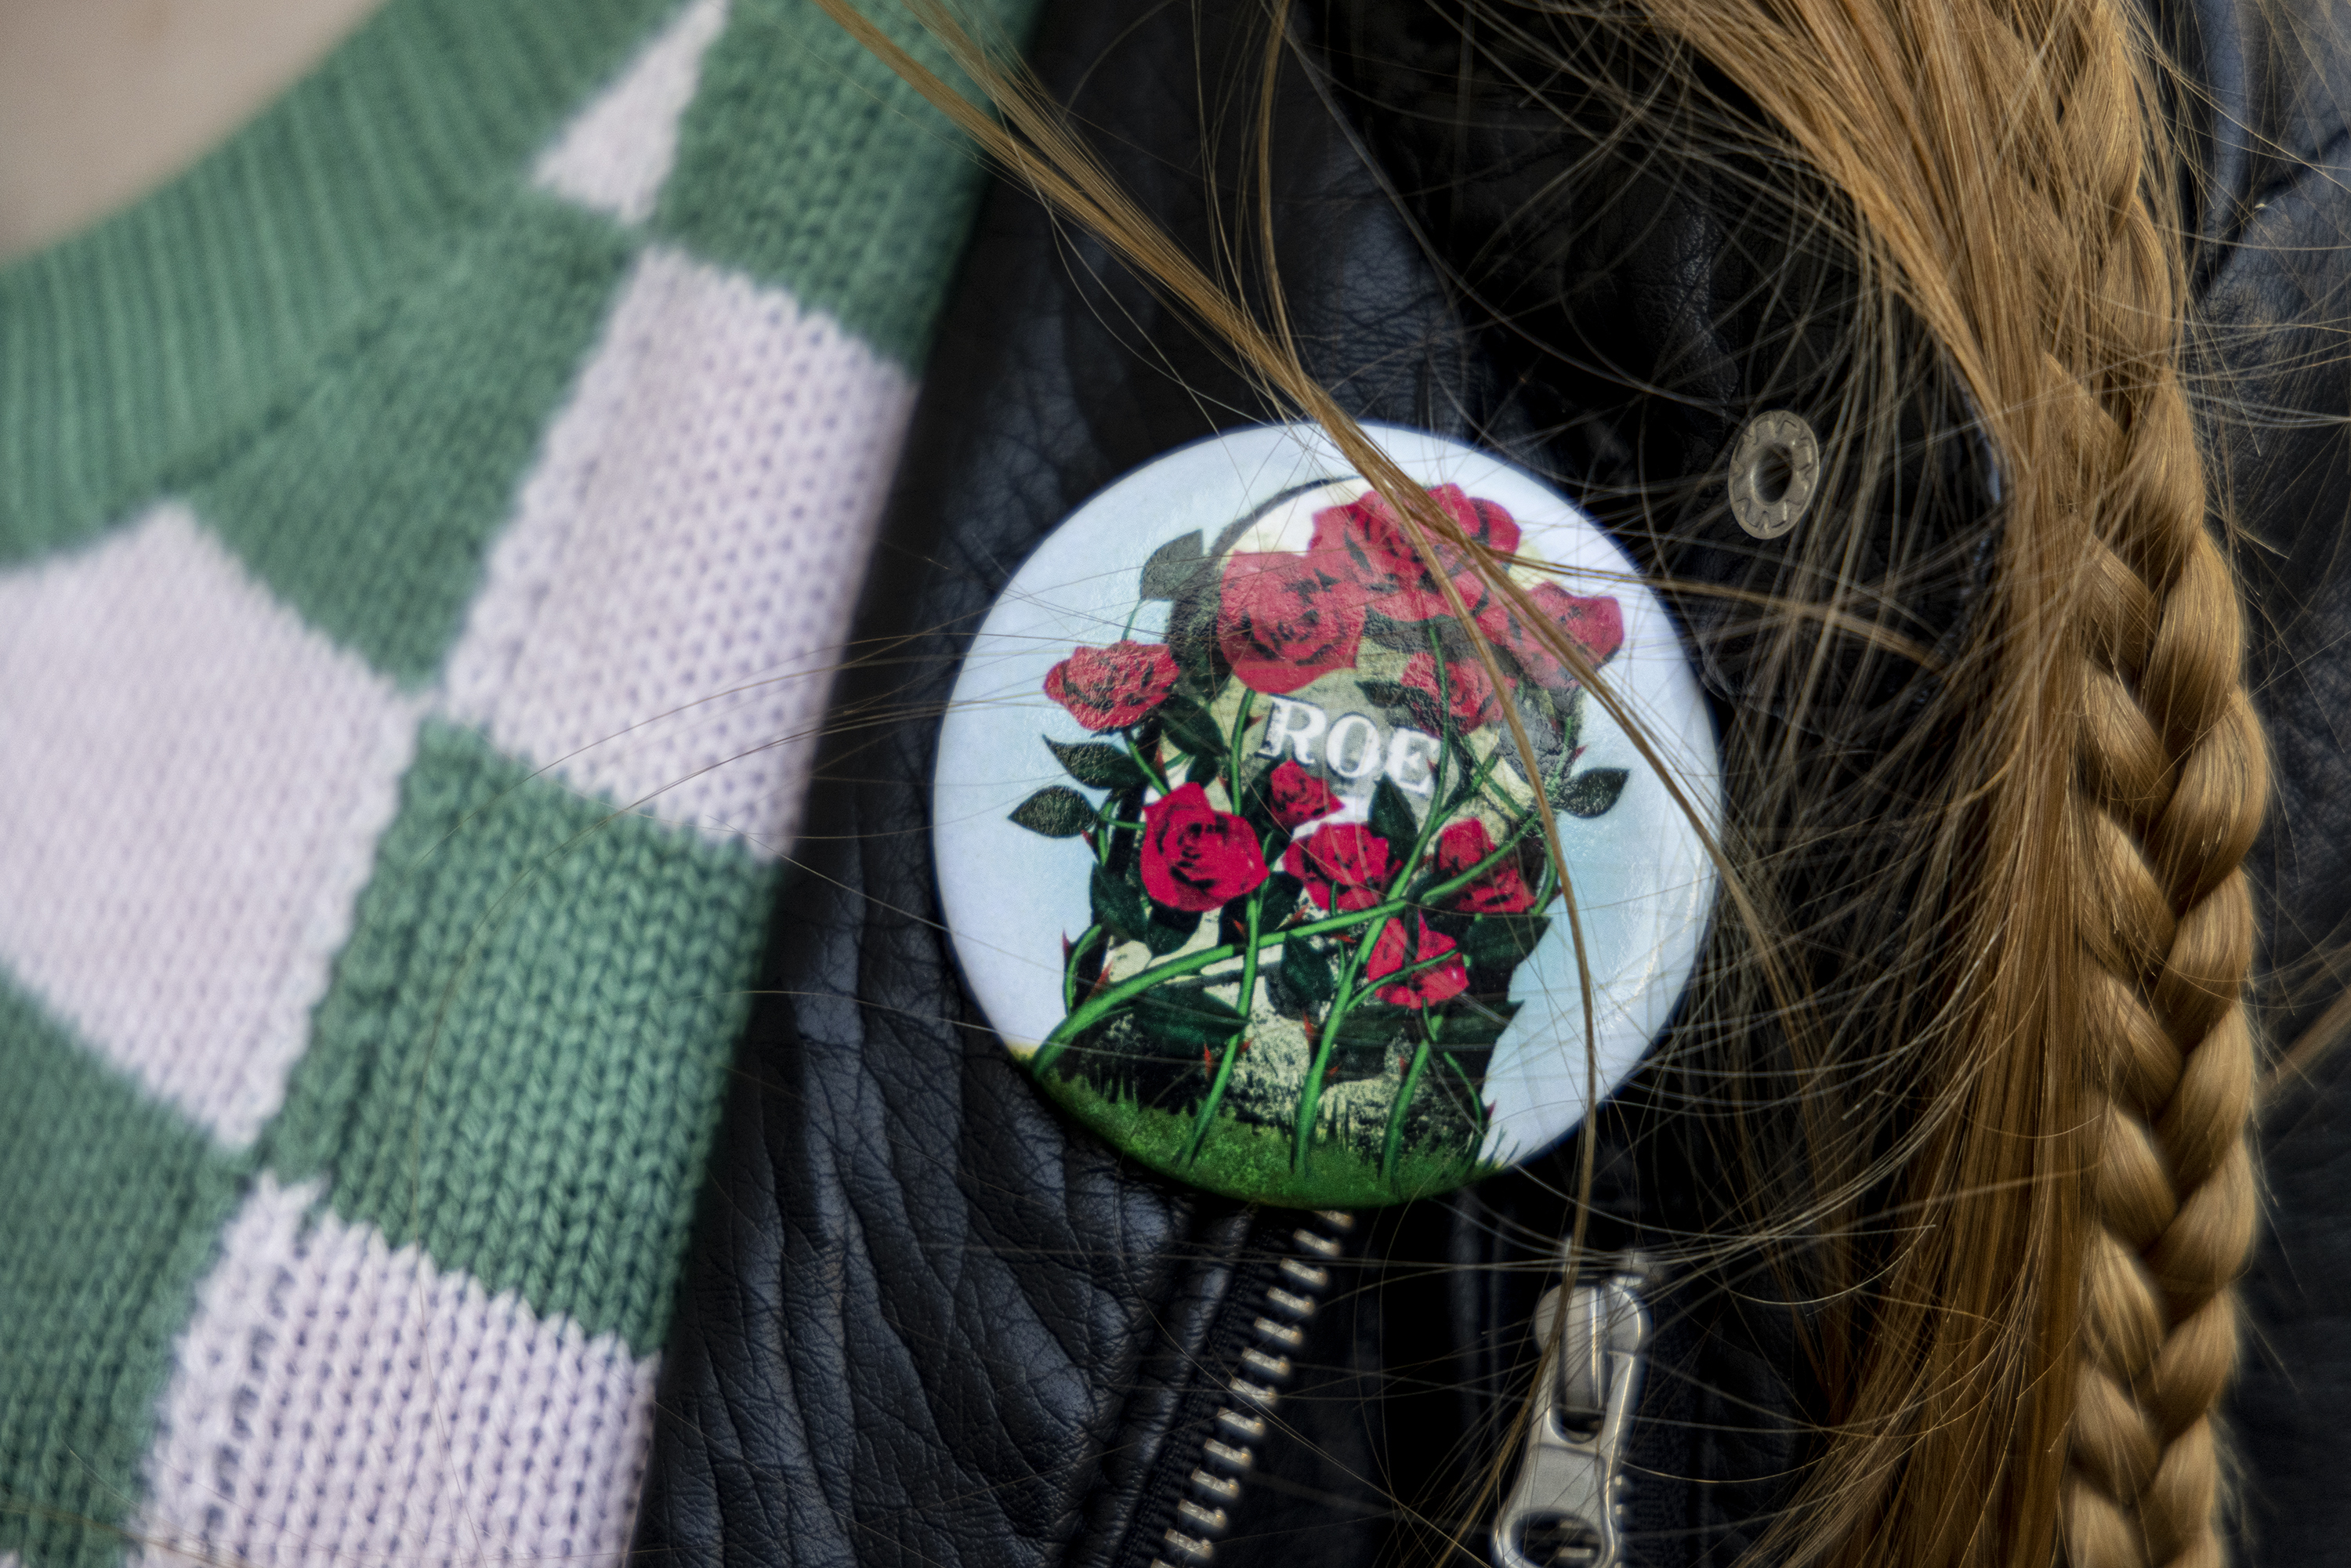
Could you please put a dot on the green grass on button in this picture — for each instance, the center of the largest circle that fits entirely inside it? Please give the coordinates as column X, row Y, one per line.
column 1250, row 1161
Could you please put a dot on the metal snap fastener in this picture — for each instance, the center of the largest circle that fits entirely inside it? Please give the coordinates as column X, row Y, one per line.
column 1775, row 471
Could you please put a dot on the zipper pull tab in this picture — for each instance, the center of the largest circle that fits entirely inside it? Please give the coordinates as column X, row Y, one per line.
column 1564, row 1510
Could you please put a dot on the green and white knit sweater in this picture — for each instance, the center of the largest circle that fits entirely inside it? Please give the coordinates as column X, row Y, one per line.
column 423, row 531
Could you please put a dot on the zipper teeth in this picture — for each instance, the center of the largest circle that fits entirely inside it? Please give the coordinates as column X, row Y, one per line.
column 1229, row 1450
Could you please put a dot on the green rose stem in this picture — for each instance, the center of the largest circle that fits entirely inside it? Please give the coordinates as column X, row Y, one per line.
column 1113, row 998
column 1476, row 1098
column 1233, row 746
column 1109, row 1000
column 1248, row 1000
column 1391, row 1145
column 1421, row 1055
column 1449, row 737
column 1453, row 741
column 1099, row 839
column 1309, row 1096
column 1149, row 771
column 1475, row 786
column 1309, row 1099
column 1070, row 969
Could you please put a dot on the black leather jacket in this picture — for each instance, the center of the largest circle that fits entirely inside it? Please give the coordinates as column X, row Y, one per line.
column 926, row 1321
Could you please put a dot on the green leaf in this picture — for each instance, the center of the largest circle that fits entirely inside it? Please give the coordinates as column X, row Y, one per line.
column 1168, row 929
column 1282, row 893
column 1392, row 817
column 1187, row 724
column 1592, row 792
column 1307, row 972
column 1103, row 766
column 1472, row 1026
column 1504, row 940
column 1185, row 1016
column 1404, row 636
column 1374, row 1023
column 1539, row 707
column 1057, row 812
column 1192, row 638
column 1119, row 906
column 1257, row 811
column 1388, row 694
column 1171, row 567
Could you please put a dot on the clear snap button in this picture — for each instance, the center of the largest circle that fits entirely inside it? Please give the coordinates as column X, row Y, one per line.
column 1241, row 855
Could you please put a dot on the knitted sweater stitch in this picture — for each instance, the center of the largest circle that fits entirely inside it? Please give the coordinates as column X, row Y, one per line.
column 425, row 529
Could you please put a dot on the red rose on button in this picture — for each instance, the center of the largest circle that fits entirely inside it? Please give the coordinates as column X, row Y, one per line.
column 1196, row 857
column 1344, row 867
column 1283, row 621
column 1406, row 942
column 1300, row 797
column 1501, row 891
column 1367, row 534
column 1110, row 688
column 1471, row 689
column 1595, row 624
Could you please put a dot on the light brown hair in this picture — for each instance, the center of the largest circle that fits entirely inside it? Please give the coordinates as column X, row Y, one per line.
column 2020, row 1187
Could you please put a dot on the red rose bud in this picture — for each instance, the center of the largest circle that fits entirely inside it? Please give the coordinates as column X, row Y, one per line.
column 1472, row 689
column 1364, row 534
column 1501, row 891
column 1298, row 797
column 1344, row 867
column 1368, row 534
column 1110, row 688
column 1196, row 857
column 1283, row 621
column 1594, row 624
column 1404, row 943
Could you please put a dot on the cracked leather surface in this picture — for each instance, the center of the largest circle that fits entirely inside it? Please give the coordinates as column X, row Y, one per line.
column 926, row 1321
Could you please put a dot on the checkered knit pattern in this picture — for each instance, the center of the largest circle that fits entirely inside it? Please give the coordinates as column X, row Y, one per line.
column 426, row 530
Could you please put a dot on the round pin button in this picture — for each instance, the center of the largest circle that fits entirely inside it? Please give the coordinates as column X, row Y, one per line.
column 1240, row 854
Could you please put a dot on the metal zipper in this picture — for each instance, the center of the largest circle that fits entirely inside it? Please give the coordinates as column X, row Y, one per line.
column 1229, row 1450
column 1566, row 1508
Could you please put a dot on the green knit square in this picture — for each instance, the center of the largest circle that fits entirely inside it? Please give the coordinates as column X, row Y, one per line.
column 136, row 351
column 114, row 1207
column 804, row 162
column 519, row 1060
column 370, row 504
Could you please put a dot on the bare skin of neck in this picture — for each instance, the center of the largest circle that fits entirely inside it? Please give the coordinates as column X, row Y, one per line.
column 102, row 100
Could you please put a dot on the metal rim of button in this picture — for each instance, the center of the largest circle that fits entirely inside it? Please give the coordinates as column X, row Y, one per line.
column 1775, row 472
